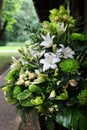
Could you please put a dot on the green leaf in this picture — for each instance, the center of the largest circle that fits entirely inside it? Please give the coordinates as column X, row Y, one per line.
column 26, row 103
column 75, row 119
column 16, row 91
column 72, row 118
column 62, row 96
column 23, row 95
column 64, row 118
column 83, row 121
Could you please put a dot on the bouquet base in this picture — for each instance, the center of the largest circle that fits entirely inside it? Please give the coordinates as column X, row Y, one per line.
column 32, row 121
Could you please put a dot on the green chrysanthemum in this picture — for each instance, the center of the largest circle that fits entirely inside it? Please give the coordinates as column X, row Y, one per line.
column 69, row 66
column 82, row 97
column 78, row 36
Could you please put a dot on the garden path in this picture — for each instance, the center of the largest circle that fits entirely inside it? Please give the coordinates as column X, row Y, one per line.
column 9, row 118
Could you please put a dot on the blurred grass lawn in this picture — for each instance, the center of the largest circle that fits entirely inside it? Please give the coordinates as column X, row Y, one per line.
column 9, row 48
column 6, row 56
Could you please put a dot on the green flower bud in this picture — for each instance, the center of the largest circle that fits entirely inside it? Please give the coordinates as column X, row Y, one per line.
column 32, row 87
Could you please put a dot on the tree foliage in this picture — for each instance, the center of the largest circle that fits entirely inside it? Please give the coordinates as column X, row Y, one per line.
column 10, row 11
column 26, row 17
column 18, row 14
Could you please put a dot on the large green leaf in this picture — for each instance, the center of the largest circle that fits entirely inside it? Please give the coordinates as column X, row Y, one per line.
column 83, row 120
column 72, row 118
column 64, row 118
column 75, row 119
column 24, row 95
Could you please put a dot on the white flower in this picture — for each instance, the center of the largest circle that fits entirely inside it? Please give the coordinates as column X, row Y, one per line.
column 35, row 53
column 59, row 53
column 40, row 77
column 20, row 82
column 32, row 75
column 27, row 83
column 49, row 61
column 22, row 76
column 15, row 64
column 61, row 28
column 39, row 54
column 48, row 40
column 32, row 49
column 51, row 109
column 52, row 95
column 67, row 52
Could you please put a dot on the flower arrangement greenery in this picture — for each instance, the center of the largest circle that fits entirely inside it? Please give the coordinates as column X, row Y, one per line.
column 51, row 74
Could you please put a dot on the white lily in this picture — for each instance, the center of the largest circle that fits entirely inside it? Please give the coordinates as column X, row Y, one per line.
column 48, row 40
column 61, row 28
column 39, row 54
column 67, row 52
column 49, row 61
column 32, row 49
column 35, row 53
column 59, row 53
column 16, row 63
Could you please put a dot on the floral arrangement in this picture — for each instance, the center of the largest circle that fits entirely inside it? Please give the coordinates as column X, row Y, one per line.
column 51, row 73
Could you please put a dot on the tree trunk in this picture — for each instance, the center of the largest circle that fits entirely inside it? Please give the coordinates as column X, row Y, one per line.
column 31, row 121
column 1, row 3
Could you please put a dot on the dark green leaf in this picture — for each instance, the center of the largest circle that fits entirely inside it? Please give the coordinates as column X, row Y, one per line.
column 83, row 121
column 72, row 118
column 75, row 119
column 64, row 118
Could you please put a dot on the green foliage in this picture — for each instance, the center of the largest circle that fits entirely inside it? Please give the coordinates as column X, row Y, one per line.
column 19, row 15
column 16, row 91
column 24, row 95
column 10, row 11
column 25, row 98
column 26, row 17
column 57, row 17
column 82, row 97
column 50, row 125
column 72, row 118
column 12, row 75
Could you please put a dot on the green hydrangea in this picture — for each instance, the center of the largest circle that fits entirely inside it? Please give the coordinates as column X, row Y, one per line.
column 69, row 66
column 82, row 97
